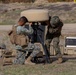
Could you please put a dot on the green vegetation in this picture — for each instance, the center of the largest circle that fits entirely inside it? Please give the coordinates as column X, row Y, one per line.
column 67, row 68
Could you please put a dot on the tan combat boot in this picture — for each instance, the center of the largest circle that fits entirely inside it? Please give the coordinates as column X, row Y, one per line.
column 28, row 61
column 60, row 60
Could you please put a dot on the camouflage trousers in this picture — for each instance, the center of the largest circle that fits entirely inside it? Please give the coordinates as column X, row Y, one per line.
column 55, row 45
column 20, row 58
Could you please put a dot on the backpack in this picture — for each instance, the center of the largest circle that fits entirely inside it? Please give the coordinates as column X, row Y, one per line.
column 17, row 39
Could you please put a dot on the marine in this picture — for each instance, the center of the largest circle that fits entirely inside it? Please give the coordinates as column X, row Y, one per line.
column 22, row 42
column 53, row 34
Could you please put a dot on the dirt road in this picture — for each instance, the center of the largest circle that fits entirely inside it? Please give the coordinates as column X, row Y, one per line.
column 5, row 27
column 67, row 28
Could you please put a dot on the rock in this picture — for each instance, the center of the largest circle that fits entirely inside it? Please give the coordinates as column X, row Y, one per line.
column 41, row 2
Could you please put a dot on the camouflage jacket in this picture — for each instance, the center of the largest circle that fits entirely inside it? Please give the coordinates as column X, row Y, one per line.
column 54, row 32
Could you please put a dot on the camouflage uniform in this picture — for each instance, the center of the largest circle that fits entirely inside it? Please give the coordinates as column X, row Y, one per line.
column 53, row 33
column 20, row 59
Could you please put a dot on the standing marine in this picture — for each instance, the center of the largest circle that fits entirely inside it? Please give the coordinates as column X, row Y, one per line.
column 53, row 34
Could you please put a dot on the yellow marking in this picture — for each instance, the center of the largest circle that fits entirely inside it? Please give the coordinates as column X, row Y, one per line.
column 74, row 1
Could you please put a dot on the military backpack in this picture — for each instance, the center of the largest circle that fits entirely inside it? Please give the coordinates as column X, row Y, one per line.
column 18, row 39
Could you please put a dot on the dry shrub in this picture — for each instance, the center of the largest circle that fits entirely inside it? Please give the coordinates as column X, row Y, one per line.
column 60, row 0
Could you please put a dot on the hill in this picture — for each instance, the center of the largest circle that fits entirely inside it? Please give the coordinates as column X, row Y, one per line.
column 9, row 13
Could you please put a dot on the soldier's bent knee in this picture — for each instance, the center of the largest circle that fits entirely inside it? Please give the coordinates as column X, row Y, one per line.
column 55, row 44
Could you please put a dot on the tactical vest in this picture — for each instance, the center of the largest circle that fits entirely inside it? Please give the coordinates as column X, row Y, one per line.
column 18, row 39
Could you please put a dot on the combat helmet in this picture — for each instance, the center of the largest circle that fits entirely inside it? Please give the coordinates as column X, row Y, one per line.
column 55, row 21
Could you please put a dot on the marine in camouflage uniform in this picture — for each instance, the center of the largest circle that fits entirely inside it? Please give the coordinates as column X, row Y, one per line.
column 53, row 33
column 21, row 50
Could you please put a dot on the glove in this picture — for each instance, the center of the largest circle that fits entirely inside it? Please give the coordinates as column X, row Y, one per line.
column 18, row 47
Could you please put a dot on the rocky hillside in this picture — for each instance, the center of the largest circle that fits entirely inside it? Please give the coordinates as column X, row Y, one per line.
column 9, row 13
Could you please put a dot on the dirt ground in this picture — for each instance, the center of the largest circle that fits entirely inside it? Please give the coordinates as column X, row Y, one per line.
column 9, row 14
column 68, row 67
